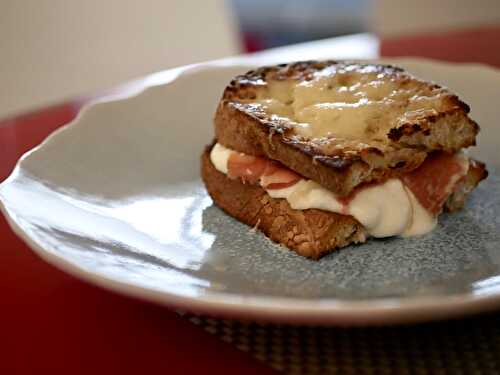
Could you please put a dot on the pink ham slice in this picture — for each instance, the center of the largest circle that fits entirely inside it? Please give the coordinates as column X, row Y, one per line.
column 248, row 168
column 434, row 180
column 253, row 169
column 279, row 178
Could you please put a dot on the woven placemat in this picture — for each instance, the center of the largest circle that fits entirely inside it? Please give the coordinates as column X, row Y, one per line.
column 468, row 346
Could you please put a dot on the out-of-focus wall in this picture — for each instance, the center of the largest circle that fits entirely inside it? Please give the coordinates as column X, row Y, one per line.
column 273, row 23
column 54, row 49
column 398, row 17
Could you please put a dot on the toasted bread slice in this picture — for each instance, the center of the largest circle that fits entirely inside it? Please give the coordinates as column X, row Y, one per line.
column 341, row 124
column 311, row 233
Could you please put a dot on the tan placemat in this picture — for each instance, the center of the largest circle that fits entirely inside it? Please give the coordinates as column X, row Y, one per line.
column 469, row 346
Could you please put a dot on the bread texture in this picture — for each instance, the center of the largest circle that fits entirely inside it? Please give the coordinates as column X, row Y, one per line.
column 405, row 119
column 311, row 233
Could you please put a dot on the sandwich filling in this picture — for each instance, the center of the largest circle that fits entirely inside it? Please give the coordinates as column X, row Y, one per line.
column 405, row 206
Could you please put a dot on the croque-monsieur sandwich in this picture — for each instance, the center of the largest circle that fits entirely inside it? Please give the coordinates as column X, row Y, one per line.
column 318, row 155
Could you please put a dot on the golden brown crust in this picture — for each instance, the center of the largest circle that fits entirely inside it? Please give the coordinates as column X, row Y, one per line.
column 337, row 163
column 311, row 233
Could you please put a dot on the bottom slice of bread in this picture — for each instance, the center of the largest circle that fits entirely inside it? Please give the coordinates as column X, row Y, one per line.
column 311, row 233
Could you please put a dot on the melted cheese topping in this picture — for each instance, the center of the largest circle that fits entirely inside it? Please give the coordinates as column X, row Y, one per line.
column 386, row 209
column 348, row 103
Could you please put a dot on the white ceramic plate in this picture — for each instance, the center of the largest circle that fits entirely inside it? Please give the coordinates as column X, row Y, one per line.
column 115, row 198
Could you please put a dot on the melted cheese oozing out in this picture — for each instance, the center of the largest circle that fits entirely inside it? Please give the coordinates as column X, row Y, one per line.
column 386, row 209
column 219, row 157
column 347, row 104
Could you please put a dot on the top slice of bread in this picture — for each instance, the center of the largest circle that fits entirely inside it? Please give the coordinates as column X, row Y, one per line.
column 341, row 124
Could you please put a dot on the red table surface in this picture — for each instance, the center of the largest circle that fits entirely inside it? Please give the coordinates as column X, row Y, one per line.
column 480, row 45
column 53, row 323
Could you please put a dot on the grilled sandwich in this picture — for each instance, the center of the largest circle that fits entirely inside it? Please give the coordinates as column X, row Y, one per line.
column 318, row 155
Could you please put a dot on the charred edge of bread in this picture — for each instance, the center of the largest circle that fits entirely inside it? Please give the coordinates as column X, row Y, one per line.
column 311, row 233
column 405, row 149
column 448, row 131
column 300, row 70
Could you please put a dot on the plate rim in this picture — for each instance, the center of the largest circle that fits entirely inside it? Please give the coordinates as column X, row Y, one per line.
column 326, row 311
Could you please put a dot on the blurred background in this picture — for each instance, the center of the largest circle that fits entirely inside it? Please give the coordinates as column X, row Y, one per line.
column 52, row 50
